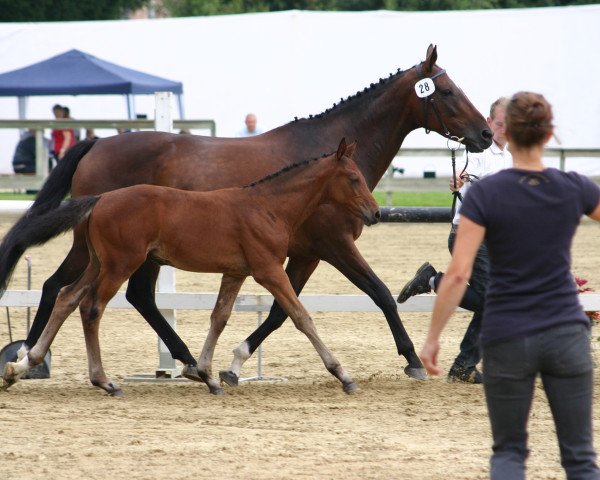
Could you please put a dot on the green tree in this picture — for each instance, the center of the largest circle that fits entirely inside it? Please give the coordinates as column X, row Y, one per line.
column 179, row 8
column 65, row 10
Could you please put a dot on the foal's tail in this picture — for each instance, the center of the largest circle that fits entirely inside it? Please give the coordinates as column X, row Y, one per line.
column 37, row 230
column 24, row 233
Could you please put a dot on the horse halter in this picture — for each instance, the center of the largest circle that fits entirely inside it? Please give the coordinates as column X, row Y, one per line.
column 428, row 100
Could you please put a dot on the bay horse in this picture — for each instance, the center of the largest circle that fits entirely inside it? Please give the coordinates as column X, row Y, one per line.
column 378, row 118
column 233, row 231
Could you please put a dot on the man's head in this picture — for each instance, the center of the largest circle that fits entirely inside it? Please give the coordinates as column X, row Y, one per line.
column 496, row 121
column 251, row 122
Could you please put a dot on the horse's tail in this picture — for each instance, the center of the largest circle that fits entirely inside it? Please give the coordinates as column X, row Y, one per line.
column 58, row 183
column 38, row 230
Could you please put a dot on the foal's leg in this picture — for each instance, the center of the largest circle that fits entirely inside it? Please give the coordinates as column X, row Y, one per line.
column 70, row 269
column 92, row 308
column 66, row 302
column 91, row 313
column 299, row 270
column 276, row 281
column 230, row 287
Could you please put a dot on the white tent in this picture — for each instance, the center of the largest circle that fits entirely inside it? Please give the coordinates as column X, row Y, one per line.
column 287, row 64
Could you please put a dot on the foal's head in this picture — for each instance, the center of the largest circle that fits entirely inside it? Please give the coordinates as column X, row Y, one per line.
column 349, row 188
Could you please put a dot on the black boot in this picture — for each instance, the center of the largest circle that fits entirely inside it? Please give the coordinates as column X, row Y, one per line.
column 418, row 284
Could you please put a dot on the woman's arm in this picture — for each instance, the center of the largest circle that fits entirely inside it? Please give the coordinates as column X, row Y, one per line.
column 452, row 288
column 596, row 213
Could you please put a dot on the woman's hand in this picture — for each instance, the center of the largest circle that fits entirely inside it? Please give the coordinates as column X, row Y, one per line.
column 429, row 356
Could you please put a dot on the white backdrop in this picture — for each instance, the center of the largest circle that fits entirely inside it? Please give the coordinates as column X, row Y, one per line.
column 296, row 63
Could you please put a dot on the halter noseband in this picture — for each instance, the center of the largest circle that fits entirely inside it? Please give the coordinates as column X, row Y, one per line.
column 429, row 101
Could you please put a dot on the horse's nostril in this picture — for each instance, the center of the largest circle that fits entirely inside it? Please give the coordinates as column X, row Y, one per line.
column 487, row 134
column 378, row 214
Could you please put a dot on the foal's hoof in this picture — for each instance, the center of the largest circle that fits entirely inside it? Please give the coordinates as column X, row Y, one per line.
column 191, row 373
column 9, row 376
column 419, row 373
column 229, row 378
column 350, row 387
column 111, row 389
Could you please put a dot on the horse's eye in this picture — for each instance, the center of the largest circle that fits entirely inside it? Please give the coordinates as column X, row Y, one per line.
column 354, row 180
column 446, row 92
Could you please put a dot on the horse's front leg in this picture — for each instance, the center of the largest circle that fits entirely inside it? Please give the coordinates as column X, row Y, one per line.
column 140, row 293
column 348, row 260
column 276, row 281
column 230, row 287
column 299, row 270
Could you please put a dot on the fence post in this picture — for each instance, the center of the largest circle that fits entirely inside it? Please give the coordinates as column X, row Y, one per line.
column 167, row 367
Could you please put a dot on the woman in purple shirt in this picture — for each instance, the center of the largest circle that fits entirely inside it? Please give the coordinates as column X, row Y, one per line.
column 533, row 323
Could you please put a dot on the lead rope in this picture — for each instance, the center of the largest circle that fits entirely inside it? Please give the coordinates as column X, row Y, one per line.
column 455, row 193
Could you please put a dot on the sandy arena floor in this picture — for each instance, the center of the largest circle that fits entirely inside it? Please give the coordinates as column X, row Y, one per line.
column 305, row 427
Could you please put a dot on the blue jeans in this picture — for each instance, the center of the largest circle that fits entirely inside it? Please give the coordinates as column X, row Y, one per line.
column 470, row 351
column 562, row 357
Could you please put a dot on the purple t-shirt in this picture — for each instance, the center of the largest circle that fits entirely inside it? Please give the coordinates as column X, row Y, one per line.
column 530, row 220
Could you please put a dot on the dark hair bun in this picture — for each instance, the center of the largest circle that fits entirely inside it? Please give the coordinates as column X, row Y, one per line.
column 528, row 119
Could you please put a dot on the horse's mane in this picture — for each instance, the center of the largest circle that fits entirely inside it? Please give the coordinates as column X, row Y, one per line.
column 360, row 93
column 285, row 169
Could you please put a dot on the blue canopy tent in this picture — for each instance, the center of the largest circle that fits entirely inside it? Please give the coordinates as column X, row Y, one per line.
column 79, row 73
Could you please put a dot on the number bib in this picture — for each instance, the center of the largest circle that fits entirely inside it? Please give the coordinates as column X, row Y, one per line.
column 424, row 87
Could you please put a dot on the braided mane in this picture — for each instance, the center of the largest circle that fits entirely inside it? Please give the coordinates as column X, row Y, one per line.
column 285, row 169
column 360, row 93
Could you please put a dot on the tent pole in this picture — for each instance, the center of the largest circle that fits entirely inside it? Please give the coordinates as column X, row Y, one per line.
column 22, row 112
column 23, row 107
column 180, row 106
column 130, row 106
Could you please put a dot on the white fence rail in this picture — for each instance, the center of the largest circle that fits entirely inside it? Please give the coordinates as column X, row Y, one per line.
column 35, row 181
column 262, row 303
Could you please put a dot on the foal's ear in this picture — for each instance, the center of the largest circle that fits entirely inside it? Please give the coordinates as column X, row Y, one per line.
column 341, row 151
column 351, row 149
column 431, row 57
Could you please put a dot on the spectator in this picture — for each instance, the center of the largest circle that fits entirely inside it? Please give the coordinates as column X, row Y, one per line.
column 67, row 115
column 251, row 128
column 62, row 139
column 533, row 323
column 24, row 156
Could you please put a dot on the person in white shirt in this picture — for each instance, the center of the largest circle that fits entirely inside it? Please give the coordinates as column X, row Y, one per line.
column 495, row 158
column 251, row 128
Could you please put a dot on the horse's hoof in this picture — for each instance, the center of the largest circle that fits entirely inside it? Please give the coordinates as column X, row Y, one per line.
column 229, row 378
column 350, row 387
column 418, row 373
column 116, row 393
column 191, row 373
column 216, row 390
column 111, row 389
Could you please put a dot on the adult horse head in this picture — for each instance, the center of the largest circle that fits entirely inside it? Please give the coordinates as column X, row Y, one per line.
column 378, row 118
column 445, row 107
